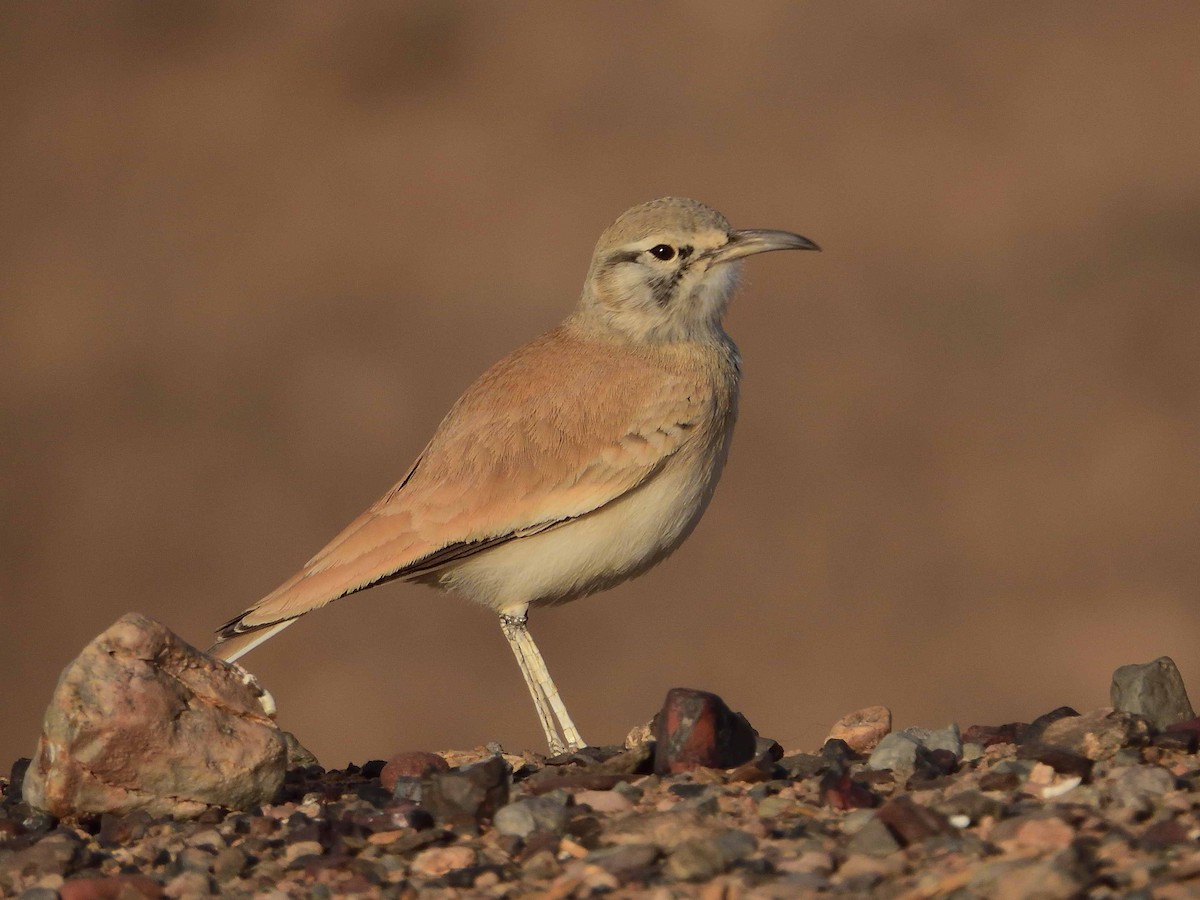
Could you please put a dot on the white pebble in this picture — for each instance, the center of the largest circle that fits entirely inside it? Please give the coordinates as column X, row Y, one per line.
column 1057, row 790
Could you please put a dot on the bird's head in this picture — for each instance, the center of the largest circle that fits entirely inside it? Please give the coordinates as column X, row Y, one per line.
column 665, row 270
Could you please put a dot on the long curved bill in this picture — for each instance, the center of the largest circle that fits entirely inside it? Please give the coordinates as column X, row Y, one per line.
column 758, row 240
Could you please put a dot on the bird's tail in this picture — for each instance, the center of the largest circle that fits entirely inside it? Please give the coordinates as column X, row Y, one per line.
column 365, row 553
column 235, row 640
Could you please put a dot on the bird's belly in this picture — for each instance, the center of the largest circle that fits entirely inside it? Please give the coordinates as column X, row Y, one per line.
column 596, row 551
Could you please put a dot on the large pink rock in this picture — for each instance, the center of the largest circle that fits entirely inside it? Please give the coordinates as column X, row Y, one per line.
column 143, row 720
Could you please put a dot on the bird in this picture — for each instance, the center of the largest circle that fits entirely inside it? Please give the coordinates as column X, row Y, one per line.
column 578, row 461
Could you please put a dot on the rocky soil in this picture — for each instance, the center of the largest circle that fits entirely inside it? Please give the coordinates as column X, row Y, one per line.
column 1097, row 805
column 160, row 771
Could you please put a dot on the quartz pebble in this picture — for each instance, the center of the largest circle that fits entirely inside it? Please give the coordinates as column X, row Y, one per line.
column 439, row 860
column 863, row 729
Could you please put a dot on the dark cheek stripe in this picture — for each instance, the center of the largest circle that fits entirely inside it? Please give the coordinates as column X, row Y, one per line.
column 662, row 289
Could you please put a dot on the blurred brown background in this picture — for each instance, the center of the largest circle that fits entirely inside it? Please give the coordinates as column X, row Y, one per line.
column 250, row 253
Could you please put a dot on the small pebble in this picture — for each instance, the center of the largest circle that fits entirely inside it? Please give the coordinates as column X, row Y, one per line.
column 410, row 764
column 874, row 838
column 1042, row 831
column 898, row 752
column 604, row 801
column 189, row 884
column 301, row 849
column 437, row 861
column 541, row 866
column 523, row 817
column 863, row 729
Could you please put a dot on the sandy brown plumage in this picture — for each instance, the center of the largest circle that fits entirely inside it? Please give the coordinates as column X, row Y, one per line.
column 579, row 460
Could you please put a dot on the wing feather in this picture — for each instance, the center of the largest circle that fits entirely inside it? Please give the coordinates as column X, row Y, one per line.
column 555, row 431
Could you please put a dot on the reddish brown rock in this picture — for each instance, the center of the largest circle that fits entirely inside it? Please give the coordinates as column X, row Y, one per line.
column 412, row 764
column 1162, row 835
column 999, row 781
column 839, row 791
column 863, row 729
column 911, row 822
column 1189, row 726
column 116, row 887
column 439, row 860
column 989, row 735
column 142, row 720
column 696, row 729
column 1185, row 741
column 1184, row 736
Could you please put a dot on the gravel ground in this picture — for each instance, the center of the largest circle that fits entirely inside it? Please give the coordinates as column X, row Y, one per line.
column 1098, row 805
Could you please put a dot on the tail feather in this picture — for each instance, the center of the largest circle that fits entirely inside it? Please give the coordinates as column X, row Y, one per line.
column 321, row 582
column 234, row 642
column 305, row 591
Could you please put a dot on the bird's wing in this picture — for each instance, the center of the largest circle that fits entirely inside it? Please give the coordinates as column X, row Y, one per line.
column 553, row 432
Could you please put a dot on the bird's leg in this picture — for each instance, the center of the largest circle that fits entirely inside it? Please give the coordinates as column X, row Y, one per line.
column 513, row 626
column 541, row 687
column 541, row 674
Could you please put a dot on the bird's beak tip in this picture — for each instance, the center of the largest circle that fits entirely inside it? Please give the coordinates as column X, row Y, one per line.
column 755, row 240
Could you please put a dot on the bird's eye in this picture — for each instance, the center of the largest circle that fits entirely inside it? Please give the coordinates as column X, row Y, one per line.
column 663, row 251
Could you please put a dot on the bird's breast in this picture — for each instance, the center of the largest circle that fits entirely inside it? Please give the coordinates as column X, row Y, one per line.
column 618, row 541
